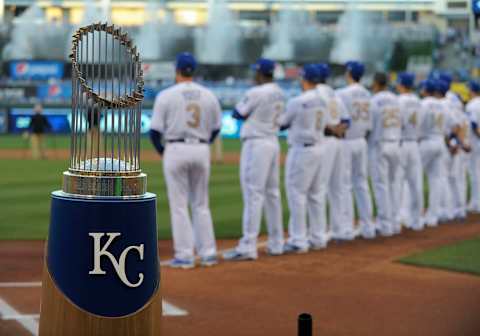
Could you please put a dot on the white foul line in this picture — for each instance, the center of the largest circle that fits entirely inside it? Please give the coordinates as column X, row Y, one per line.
column 20, row 284
column 28, row 323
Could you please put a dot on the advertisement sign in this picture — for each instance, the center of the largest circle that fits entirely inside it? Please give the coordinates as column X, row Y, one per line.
column 55, row 92
column 60, row 120
column 3, row 121
column 158, row 71
column 40, row 70
column 17, row 93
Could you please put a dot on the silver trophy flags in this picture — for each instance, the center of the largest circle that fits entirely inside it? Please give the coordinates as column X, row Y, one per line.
column 107, row 85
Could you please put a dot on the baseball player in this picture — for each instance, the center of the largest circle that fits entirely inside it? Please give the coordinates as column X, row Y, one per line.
column 450, row 193
column 260, row 109
column 187, row 117
column 432, row 143
column 356, row 99
column 306, row 117
column 385, row 141
column 411, row 173
column 473, row 111
column 333, row 168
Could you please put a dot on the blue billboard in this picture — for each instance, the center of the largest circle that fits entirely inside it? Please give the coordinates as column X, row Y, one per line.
column 41, row 70
column 60, row 119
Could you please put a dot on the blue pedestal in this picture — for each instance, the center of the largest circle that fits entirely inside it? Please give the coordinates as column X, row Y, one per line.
column 102, row 253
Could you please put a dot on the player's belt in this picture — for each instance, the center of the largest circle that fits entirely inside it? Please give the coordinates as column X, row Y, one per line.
column 303, row 145
column 188, row 141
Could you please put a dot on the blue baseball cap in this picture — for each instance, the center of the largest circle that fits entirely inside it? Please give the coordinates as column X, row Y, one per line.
column 442, row 86
column 446, row 77
column 265, row 66
column 186, row 62
column 406, row 79
column 474, row 86
column 311, row 73
column 355, row 69
column 429, row 86
column 323, row 70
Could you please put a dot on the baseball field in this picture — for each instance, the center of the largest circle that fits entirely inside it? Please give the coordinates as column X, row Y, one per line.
column 356, row 288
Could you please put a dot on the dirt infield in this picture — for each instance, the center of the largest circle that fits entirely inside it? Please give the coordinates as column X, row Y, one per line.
column 352, row 288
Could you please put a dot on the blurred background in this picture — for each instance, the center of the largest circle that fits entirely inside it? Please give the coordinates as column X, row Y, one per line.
column 227, row 36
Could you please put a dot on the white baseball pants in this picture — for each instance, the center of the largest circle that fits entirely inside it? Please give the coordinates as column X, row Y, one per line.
column 410, row 182
column 306, row 189
column 431, row 151
column 474, row 168
column 355, row 156
column 457, row 181
column 334, row 172
column 260, row 182
column 187, row 170
column 446, row 196
column 385, row 167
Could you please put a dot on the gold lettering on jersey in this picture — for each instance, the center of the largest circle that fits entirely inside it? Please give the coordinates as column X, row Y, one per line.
column 439, row 121
column 413, row 118
column 194, row 120
column 319, row 117
column 360, row 110
column 333, row 108
column 391, row 117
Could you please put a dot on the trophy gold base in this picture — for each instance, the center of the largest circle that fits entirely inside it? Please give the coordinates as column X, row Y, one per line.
column 60, row 317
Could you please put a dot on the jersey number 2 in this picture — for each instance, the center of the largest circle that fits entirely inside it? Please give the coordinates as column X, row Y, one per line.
column 194, row 121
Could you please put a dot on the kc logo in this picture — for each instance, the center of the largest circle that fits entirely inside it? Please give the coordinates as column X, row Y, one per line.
column 99, row 251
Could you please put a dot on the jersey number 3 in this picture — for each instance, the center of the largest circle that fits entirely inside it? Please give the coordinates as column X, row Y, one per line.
column 194, row 120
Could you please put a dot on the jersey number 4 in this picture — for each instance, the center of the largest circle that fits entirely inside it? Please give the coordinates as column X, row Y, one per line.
column 194, row 110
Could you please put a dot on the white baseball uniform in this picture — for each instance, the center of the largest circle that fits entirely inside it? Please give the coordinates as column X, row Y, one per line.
column 473, row 111
column 385, row 145
column 450, row 165
column 432, row 143
column 411, row 173
column 307, row 115
column 260, row 167
column 186, row 114
column 355, row 153
column 333, row 168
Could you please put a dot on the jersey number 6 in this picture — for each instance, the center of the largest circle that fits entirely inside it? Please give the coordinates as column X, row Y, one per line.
column 194, row 121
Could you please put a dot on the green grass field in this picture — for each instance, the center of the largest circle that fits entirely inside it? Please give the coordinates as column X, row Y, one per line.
column 25, row 186
column 459, row 257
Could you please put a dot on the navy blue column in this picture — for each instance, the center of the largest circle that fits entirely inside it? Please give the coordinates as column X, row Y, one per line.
column 102, row 253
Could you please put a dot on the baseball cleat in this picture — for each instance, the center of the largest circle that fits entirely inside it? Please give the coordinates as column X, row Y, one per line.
column 182, row 263
column 290, row 249
column 317, row 246
column 274, row 253
column 234, row 255
column 209, row 261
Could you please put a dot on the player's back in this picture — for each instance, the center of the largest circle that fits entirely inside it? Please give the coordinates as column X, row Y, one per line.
column 308, row 116
column 265, row 103
column 433, row 119
column 334, row 104
column 473, row 113
column 385, row 110
column 356, row 100
column 410, row 111
column 187, row 111
column 452, row 117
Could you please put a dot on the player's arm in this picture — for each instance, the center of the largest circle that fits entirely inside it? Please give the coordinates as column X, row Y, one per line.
column 158, row 123
column 286, row 119
column 217, row 121
column 244, row 108
column 474, row 123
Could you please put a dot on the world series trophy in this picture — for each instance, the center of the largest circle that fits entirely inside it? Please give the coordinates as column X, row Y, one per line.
column 101, row 273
